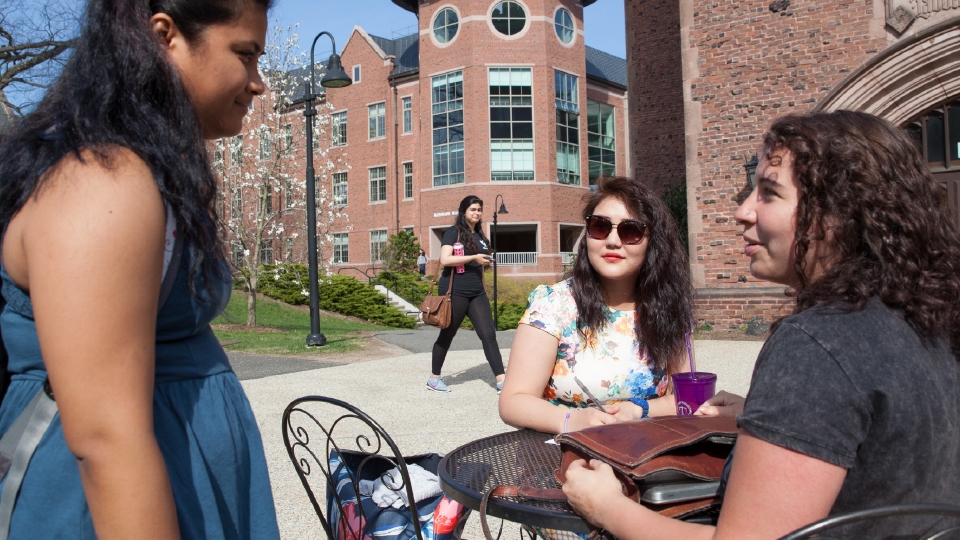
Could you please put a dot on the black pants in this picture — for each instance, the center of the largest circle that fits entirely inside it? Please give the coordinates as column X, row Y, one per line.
column 478, row 309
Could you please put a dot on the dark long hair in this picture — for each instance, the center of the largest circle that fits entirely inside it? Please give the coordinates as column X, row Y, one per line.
column 866, row 182
column 119, row 90
column 466, row 238
column 663, row 294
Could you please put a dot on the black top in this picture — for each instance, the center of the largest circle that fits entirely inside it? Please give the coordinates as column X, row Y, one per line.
column 470, row 282
column 863, row 391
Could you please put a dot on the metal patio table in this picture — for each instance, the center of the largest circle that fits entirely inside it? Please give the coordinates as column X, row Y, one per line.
column 470, row 471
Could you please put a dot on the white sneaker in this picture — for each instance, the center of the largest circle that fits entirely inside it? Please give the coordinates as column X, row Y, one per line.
column 437, row 385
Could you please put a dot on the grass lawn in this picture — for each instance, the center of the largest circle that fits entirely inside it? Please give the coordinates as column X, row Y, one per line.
column 286, row 329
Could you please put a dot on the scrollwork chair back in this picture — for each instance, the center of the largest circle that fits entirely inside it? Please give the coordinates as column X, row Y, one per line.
column 316, row 426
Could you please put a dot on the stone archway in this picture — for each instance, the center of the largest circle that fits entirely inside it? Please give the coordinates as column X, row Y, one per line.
column 906, row 79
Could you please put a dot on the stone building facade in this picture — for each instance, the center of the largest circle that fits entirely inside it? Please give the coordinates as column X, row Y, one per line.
column 706, row 79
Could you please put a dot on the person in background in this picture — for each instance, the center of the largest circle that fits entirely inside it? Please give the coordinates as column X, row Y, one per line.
column 154, row 437
column 422, row 262
column 855, row 398
column 618, row 324
column 469, row 297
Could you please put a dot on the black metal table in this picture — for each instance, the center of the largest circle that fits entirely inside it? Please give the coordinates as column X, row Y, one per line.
column 469, row 472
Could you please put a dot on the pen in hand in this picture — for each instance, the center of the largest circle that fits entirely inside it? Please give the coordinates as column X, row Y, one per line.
column 588, row 394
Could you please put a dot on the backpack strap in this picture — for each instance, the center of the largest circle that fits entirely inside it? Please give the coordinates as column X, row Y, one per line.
column 20, row 442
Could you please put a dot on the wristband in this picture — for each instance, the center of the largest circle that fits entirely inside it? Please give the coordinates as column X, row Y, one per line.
column 565, row 420
column 642, row 403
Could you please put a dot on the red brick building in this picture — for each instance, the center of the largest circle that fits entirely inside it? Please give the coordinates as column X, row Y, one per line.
column 706, row 78
column 488, row 98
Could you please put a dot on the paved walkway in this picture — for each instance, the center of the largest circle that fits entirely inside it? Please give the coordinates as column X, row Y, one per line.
column 392, row 391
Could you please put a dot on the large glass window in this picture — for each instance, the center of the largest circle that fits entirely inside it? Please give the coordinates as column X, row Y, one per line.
column 378, row 243
column 568, row 128
column 340, row 189
column 511, row 124
column 341, row 248
column 408, row 180
column 407, row 114
column 266, row 251
column 339, row 130
column 509, row 18
column 377, row 119
column 445, row 25
column 288, row 137
column 378, row 184
column 447, row 116
column 563, row 23
column 601, row 142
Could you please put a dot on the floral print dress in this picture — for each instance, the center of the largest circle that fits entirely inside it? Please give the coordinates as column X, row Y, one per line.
column 610, row 362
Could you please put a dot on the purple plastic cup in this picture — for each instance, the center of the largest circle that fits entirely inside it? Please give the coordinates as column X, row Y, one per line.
column 692, row 389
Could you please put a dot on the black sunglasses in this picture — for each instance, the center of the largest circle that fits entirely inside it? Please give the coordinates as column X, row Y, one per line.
column 630, row 231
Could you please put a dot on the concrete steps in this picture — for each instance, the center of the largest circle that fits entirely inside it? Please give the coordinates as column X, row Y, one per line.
column 406, row 307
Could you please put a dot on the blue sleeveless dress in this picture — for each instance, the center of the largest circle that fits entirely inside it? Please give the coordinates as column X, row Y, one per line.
column 203, row 422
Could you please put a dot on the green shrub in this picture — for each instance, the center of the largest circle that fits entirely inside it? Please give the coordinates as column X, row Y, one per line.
column 407, row 285
column 342, row 294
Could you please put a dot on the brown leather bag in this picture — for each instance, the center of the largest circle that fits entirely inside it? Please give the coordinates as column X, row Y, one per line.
column 435, row 309
column 640, row 451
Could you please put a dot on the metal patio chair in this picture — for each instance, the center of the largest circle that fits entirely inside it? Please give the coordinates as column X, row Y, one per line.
column 931, row 530
column 316, row 427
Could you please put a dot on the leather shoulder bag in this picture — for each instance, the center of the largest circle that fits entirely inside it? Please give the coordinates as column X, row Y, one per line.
column 435, row 310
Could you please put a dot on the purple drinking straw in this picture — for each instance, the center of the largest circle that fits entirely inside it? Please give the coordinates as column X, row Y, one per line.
column 693, row 364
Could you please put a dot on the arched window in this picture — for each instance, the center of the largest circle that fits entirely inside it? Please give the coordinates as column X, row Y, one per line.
column 937, row 134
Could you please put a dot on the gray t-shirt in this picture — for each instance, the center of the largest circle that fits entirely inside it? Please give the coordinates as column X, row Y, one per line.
column 862, row 390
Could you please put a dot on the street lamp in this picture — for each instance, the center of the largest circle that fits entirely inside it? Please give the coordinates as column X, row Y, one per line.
column 502, row 210
column 335, row 77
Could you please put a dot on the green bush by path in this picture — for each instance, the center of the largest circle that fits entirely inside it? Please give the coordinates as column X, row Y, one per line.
column 342, row 294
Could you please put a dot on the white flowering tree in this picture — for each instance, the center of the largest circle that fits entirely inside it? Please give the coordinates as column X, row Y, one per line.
column 263, row 171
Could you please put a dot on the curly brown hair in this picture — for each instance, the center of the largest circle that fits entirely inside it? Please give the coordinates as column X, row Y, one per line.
column 865, row 181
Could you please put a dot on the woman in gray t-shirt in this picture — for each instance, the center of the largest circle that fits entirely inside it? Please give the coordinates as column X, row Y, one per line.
column 855, row 398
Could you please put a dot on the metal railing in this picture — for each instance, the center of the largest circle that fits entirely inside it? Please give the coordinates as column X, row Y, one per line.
column 567, row 257
column 404, row 289
column 520, row 258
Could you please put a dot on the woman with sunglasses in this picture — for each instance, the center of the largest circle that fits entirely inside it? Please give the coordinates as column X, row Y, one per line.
column 855, row 398
column 617, row 325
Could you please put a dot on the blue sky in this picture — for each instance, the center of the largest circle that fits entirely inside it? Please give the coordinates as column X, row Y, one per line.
column 603, row 22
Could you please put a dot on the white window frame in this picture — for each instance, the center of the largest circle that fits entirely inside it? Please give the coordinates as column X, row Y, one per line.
column 447, row 156
column 566, row 98
column 338, row 129
column 407, row 180
column 379, row 183
column 356, row 74
column 377, row 121
column 378, row 245
column 266, row 144
column 407, row 108
column 518, row 153
column 340, row 192
column 341, row 248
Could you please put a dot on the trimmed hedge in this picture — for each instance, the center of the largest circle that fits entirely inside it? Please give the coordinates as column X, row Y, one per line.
column 342, row 294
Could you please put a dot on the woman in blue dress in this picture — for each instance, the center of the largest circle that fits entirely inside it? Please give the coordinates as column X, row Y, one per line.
column 154, row 436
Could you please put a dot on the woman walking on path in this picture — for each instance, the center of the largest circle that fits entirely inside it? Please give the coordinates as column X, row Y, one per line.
column 104, row 189
column 469, row 297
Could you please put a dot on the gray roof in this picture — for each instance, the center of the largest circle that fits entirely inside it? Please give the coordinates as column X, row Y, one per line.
column 413, row 5
column 606, row 67
column 406, row 49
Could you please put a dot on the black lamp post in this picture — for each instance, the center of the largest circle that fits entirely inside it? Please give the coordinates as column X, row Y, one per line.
column 335, row 77
column 501, row 210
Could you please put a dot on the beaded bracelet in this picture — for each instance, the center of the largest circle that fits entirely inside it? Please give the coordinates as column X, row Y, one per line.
column 642, row 403
column 565, row 420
